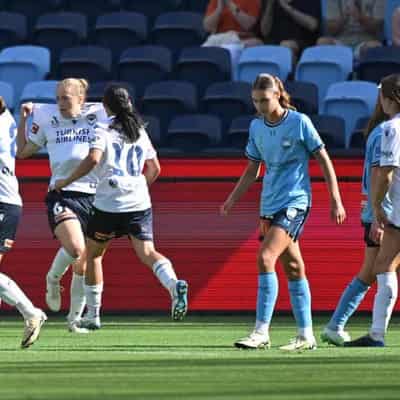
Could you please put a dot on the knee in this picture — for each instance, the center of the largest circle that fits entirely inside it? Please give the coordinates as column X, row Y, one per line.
column 266, row 261
column 294, row 270
column 77, row 252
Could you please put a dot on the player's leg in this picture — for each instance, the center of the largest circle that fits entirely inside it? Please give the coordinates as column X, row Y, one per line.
column 300, row 298
column 275, row 241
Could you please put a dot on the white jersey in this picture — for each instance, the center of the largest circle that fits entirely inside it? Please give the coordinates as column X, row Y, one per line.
column 8, row 146
column 67, row 141
column 122, row 186
column 390, row 156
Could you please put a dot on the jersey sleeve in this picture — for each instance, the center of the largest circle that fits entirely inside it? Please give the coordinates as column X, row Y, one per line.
column 376, row 152
column 252, row 152
column 98, row 139
column 36, row 129
column 390, row 146
column 310, row 136
column 149, row 150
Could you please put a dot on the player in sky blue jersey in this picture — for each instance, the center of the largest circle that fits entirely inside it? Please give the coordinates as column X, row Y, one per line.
column 354, row 293
column 283, row 139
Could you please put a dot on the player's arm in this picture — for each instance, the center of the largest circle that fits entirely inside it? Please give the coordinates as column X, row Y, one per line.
column 376, row 231
column 338, row 213
column 379, row 190
column 25, row 148
column 249, row 175
column 152, row 170
column 86, row 165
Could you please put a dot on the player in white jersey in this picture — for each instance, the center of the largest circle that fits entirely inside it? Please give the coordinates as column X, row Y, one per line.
column 121, row 149
column 65, row 129
column 10, row 212
column 388, row 258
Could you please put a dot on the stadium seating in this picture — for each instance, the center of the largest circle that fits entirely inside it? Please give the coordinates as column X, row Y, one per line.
column 390, row 6
column 194, row 133
column 7, row 93
column 197, row 5
column 13, row 29
column 331, row 129
column 357, row 139
column 228, row 100
column 324, row 65
column 39, row 92
column 90, row 62
column 304, row 96
column 379, row 62
column 275, row 60
column 96, row 90
column 351, row 101
column 238, row 133
column 204, row 66
column 120, row 30
column 168, row 99
column 20, row 65
column 144, row 65
column 177, row 30
column 152, row 125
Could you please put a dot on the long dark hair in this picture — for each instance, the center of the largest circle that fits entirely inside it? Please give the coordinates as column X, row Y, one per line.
column 3, row 105
column 127, row 120
column 377, row 117
column 390, row 87
column 267, row 81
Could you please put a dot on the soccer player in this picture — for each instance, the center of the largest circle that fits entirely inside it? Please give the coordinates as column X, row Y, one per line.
column 10, row 212
column 65, row 129
column 388, row 258
column 121, row 149
column 284, row 140
column 354, row 293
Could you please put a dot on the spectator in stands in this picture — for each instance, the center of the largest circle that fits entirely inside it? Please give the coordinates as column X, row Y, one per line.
column 354, row 23
column 291, row 23
column 232, row 22
column 396, row 27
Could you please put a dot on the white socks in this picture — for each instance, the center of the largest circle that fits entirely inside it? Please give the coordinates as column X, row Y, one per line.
column 93, row 296
column 78, row 298
column 384, row 302
column 262, row 327
column 60, row 264
column 165, row 273
column 14, row 296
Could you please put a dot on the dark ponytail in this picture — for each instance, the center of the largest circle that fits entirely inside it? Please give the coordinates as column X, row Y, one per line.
column 3, row 105
column 127, row 120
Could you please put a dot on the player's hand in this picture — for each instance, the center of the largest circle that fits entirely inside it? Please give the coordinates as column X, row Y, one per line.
column 376, row 232
column 226, row 207
column 338, row 213
column 380, row 216
column 26, row 109
column 59, row 184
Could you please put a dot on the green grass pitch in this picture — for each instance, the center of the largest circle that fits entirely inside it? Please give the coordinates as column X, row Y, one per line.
column 150, row 357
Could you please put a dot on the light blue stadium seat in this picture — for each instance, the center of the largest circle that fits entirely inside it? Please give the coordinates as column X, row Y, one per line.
column 351, row 101
column 7, row 93
column 39, row 92
column 275, row 60
column 20, row 65
column 324, row 65
column 390, row 6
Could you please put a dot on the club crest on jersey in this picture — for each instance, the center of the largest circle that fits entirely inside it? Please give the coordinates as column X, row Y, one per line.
column 35, row 128
column 55, row 123
column 286, row 142
column 91, row 119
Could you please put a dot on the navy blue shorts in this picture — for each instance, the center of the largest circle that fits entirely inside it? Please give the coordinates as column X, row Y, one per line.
column 104, row 226
column 65, row 205
column 290, row 219
column 367, row 239
column 10, row 215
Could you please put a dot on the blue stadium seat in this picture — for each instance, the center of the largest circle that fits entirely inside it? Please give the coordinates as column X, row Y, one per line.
column 120, row 30
column 194, row 133
column 168, row 99
column 20, row 65
column 304, row 96
column 197, row 5
column 144, row 65
column 357, row 139
column 324, row 65
column 13, row 29
column 7, row 93
column 238, row 134
column 58, row 31
column 390, row 6
column 228, row 100
column 39, row 92
column 331, row 129
column 204, row 66
column 351, row 101
column 153, row 129
column 153, row 8
column 96, row 90
column 177, row 30
column 379, row 62
column 275, row 60
column 90, row 62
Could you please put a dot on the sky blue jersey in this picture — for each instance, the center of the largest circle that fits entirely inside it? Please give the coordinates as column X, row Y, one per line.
column 285, row 148
column 372, row 158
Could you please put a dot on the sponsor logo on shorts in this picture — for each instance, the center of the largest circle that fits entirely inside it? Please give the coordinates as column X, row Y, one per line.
column 8, row 243
column 104, row 236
